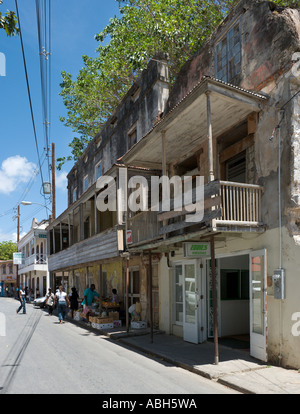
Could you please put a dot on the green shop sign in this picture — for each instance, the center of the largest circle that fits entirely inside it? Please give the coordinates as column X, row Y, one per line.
column 197, row 249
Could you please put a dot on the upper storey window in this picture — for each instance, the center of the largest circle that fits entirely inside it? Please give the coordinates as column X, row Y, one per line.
column 85, row 183
column 98, row 170
column 228, row 55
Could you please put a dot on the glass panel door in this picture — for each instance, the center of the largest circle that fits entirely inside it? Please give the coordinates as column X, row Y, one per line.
column 258, row 294
column 190, row 293
column 190, row 305
column 178, row 294
column 258, row 305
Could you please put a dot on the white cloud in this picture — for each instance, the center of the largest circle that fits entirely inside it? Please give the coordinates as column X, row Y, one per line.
column 15, row 170
column 10, row 236
column 61, row 181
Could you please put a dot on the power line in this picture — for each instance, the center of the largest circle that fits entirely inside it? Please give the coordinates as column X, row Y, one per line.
column 29, row 97
column 43, row 15
column 28, row 90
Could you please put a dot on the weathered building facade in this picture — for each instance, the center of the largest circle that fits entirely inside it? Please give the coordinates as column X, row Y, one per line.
column 85, row 244
column 233, row 118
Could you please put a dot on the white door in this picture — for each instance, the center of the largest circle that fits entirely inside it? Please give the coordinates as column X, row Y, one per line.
column 190, row 303
column 258, row 305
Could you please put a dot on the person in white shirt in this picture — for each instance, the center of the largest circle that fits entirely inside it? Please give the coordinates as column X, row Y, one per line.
column 22, row 297
column 63, row 301
column 50, row 301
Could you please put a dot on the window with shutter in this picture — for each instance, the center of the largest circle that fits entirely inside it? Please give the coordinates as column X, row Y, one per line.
column 228, row 55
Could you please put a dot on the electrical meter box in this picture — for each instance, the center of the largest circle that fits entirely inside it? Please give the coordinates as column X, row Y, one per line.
column 279, row 283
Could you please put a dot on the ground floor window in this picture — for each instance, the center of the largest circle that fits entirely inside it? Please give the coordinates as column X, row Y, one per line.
column 234, row 284
column 134, row 285
column 178, row 294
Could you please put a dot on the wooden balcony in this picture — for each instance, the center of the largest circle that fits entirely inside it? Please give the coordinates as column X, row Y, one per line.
column 241, row 204
column 105, row 245
column 228, row 206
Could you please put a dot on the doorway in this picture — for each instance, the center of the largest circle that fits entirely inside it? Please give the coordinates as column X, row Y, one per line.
column 242, row 304
column 234, row 302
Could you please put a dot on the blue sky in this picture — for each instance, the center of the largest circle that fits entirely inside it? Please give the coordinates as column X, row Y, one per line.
column 73, row 25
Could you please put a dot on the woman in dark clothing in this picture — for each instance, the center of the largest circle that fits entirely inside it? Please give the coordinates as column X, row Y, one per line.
column 74, row 301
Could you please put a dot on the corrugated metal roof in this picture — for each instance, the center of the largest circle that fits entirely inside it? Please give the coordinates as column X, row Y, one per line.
column 204, row 79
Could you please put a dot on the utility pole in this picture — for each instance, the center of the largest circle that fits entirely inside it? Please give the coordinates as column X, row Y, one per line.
column 53, row 183
column 18, row 239
column 18, row 229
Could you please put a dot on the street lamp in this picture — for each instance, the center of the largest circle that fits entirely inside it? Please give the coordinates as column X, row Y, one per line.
column 29, row 203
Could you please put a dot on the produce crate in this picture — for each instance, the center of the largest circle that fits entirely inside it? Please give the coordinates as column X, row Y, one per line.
column 138, row 324
column 104, row 320
column 93, row 319
column 114, row 315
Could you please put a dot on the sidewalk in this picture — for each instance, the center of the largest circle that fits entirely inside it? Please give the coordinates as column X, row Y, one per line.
column 236, row 369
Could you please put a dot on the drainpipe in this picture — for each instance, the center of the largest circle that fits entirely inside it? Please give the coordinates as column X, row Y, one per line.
column 280, row 232
column 279, row 225
column 279, row 197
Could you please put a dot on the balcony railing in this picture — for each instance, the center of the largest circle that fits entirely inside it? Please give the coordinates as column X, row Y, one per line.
column 226, row 204
column 241, row 204
column 36, row 259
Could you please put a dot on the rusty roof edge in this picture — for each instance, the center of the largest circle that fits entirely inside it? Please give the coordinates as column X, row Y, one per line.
column 203, row 80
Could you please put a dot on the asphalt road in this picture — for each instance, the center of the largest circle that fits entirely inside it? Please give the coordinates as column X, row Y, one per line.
column 39, row 356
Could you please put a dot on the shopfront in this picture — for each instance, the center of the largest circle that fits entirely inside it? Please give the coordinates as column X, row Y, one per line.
column 241, row 297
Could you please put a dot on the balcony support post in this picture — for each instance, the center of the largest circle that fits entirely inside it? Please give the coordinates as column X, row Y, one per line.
column 150, row 296
column 127, row 292
column 60, row 236
column 34, row 241
column 164, row 165
column 210, row 138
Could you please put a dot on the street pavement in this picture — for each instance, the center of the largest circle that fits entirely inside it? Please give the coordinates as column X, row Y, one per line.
column 40, row 356
column 236, row 368
column 74, row 360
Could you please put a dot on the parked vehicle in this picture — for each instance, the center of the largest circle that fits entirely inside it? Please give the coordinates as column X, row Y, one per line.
column 41, row 302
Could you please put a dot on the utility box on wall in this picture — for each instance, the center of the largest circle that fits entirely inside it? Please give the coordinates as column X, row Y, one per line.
column 279, row 283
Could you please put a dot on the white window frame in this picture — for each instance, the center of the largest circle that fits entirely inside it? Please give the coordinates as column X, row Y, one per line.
column 96, row 167
column 85, row 178
column 74, row 195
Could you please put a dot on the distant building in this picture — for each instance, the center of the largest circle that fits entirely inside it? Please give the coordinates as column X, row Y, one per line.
column 33, row 273
column 8, row 278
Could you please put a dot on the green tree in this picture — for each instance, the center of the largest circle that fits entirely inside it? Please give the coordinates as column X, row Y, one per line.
column 145, row 27
column 8, row 22
column 7, row 248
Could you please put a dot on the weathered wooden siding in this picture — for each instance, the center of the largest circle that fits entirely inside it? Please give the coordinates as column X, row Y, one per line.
column 102, row 246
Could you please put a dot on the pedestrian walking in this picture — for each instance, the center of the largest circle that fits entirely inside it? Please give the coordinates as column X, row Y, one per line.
column 74, row 301
column 22, row 298
column 50, row 301
column 89, row 295
column 63, row 301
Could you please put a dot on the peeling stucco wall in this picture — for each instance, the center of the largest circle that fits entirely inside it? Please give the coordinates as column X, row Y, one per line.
column 139, row 109
column 270, row 36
